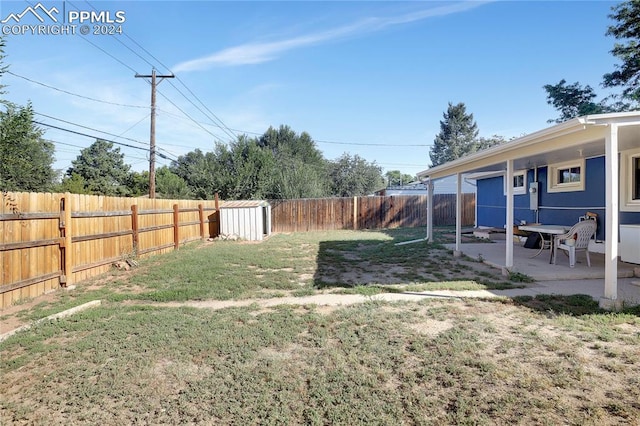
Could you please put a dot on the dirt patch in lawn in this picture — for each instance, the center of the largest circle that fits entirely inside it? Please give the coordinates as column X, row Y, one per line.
column 471, row 362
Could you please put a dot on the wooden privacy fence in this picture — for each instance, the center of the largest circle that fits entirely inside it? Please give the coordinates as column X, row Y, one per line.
column 319, row 214
column 53, row 240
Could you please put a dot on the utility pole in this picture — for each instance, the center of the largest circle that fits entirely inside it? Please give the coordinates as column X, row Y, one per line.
column 152, row 138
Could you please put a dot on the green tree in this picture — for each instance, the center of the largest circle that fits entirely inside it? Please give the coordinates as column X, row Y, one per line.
column 25, row 157
column 627, row 30
column 297, row 179
column 170, row 185
column 573, row 100
column 138, row 183
column 3, row 69
column 484, row 142
column 457, row 137
column 396, row 177
column 285, row 143
column 301, row 170
column 354, row 176
column 103, row 169
column 74, row 184
column 245, row 170
column 199, row 171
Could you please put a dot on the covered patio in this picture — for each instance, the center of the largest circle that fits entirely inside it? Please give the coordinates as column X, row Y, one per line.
column 541, row 158
column 559, row 278
column 538, row 267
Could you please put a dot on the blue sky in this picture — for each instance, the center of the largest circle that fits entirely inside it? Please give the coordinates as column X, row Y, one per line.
column 367, row 78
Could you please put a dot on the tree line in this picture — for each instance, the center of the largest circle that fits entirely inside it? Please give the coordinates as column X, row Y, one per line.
column 281, row 163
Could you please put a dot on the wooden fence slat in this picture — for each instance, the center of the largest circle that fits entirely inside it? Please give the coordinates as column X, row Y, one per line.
column 367, row 212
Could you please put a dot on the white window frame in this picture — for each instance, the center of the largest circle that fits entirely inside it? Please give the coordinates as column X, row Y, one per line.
column 517, row 190
column 627, row 203
column 552, row 176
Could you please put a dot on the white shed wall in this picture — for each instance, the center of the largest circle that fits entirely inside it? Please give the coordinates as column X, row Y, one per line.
column 246, row 222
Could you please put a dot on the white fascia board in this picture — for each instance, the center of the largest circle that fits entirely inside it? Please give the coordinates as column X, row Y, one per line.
column 468, row 161
column 516, row 148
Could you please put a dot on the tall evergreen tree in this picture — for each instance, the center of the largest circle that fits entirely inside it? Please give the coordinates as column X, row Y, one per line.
column 626, row 29
column 170, row 185
column 458, row 135
column 102, row 169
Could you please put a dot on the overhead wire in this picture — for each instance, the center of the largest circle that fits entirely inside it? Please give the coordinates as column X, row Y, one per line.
column 55, row 142
column 198, row 124
column 221, row 124
column 89, row 136
column 209, row 114
column 91, row 128
column 75, row 94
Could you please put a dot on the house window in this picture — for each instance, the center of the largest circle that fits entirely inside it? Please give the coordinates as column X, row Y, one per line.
column 636, row 178
column 630, row 180
column 569, row 175
column 566, row 177
column 519, row 179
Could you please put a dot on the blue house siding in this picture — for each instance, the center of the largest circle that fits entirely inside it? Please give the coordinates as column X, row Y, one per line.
column 492, row 203
column 562, row 208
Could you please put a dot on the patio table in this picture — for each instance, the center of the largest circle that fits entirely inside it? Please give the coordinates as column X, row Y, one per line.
column 550, row 231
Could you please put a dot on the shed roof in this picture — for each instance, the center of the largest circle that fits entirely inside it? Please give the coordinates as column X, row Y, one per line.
column 243, row 204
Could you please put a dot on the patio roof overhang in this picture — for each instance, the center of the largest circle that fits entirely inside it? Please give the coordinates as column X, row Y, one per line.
column 576, row 138
column 583, row 137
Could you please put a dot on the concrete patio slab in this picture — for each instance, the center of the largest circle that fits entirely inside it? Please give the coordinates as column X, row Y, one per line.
column 555, row 279
column 539, row 267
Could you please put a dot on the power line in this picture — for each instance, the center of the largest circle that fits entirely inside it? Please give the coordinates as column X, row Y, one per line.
column 74, row 94
column 187, row 115
column 93, row 129
column 89, row 136
column 221, row 124
column 108, row 54
column 112, row 103
column 55, row 142
column 120, row 136
column 199, row 124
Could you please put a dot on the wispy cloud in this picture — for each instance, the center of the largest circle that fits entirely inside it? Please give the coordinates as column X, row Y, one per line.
column 259, row 52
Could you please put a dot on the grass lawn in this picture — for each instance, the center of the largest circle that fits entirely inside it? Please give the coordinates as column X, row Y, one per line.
column 138, row 360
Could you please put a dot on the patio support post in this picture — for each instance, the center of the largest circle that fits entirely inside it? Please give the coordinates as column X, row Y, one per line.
column 430, row 210
column 458, row 250
column 611, row 223
column 508, row 262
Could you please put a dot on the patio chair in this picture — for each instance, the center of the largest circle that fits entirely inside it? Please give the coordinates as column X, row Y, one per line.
column 577, row 239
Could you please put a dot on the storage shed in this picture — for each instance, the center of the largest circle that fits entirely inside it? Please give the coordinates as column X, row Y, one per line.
column 249, row 220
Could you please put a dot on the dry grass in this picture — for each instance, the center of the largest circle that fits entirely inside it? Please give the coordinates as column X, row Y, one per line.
column 548, row 360
column 434, row 362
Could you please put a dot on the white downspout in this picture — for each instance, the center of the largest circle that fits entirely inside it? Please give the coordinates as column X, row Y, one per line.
column 430, row 210
column 458, row 251
column 611, row 213
column 508, row 262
